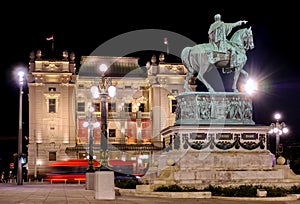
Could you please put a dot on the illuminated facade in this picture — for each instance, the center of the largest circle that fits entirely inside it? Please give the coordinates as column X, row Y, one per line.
column 59, row 99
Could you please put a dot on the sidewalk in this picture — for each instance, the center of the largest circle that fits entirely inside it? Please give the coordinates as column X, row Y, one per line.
column 45, row 193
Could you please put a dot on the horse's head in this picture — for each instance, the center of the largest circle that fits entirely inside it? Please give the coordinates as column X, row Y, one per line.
column 243, row 38
column 248, row 39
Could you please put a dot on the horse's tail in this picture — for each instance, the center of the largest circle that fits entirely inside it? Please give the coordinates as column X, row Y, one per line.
column 185, row 58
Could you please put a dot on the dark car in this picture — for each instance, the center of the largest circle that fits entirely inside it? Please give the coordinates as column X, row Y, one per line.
column 121, row 177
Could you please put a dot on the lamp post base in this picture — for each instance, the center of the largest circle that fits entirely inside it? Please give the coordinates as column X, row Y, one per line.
column 90, row 181
column 105, row 185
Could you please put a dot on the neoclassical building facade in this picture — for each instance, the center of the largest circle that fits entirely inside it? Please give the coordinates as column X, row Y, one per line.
column 60, row 99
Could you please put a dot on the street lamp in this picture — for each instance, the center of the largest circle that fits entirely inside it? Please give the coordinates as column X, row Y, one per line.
column 104, row 89
column 92, row 124
column 104, row 186
column 21, row 75
column 278, row 129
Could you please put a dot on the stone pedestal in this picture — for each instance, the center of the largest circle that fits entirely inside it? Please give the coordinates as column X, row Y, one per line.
column 104, row 185
column 215, row 142
column 90, row 181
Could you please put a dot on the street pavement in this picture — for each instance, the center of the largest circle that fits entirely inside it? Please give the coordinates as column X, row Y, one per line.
column 60, row 193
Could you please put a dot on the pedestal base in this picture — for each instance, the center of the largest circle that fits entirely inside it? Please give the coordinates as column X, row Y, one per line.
column 104, row 185
column 90, row 181
column 229, row 155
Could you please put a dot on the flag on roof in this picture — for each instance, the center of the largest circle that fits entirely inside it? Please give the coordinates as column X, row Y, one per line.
column 50, row 38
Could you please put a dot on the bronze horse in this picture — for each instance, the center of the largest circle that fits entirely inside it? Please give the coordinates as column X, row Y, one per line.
column 201, row 59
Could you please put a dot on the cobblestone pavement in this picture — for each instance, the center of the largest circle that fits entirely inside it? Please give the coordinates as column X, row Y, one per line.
column 76, row 193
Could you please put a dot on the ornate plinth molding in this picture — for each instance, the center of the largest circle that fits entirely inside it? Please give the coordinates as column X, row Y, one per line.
column 233, row 138
column 214, row 108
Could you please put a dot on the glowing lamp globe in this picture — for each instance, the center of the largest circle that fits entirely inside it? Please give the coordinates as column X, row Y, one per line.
column 112, row 91
column 103, row 68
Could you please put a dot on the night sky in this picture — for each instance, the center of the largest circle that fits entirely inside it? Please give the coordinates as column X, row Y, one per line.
column 82, row 28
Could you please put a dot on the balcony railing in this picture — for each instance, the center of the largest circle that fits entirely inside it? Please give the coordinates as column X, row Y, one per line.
column 120, row 115
column 129, row 140
column 131, row 115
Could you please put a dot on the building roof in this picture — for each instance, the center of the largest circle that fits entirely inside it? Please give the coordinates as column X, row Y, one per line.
column 117, row 66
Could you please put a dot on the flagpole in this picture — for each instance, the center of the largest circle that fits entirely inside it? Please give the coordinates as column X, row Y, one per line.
column 52, row 42
column 53, row 45
column 167, row 49
column 167, row 44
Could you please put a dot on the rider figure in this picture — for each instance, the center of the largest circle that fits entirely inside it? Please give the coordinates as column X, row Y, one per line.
column 217, row 33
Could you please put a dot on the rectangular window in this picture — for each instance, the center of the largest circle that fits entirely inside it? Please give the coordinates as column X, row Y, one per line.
column 80, row 86
column 111, row 107
column 131, row 132
column 81, row 155
column 81, row 107
column 96, row 107
column 128, row 107
column 146, row 131
column 174, row 91
column 112, row 132
column 52, row 105
column 174, row 105
column 52, row 156
column 142, row 107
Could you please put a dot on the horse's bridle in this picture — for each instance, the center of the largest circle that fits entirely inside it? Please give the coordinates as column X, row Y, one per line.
column 248, row 40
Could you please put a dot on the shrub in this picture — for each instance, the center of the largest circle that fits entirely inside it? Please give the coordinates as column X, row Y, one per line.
column 246, row 191
column 127, row 184
column 231, row 191
column 175, row 188
column 294, row 190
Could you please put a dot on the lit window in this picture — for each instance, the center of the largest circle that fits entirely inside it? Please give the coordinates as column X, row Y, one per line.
column 96, row 107
column 111, row 107
column 128, row 107
column 52, row 156
column 112, row 132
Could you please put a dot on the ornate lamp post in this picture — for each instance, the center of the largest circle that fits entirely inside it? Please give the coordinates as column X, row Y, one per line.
column 21, row 75
column 104, row 187
column 278, row 129
column 91, row 123
column 102, row 91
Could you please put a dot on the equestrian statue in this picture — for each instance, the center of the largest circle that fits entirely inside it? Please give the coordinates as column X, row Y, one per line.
column 219, row 52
